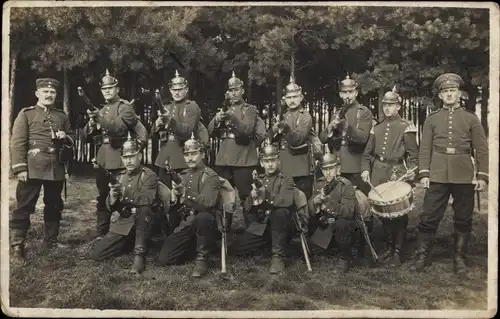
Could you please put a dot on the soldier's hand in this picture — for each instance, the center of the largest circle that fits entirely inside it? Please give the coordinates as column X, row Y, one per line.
column 411, row 176
column 318, row 199
column 22, row 176
column 221, row 116
column 179, row 189
column 159, row 121
column 425, row 181
column 254, row 193
column 365, row 176
column 114, row 192
column 480, row 186
column 114, row 216
column 61, row 135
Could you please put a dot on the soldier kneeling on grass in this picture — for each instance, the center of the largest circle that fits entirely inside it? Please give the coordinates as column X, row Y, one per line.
column 332, row 212
column 131, row 199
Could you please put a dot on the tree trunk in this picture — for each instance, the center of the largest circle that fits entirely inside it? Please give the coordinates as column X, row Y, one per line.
column 65, row 92
column 380, row 112
column 279, row 84
column 249, row 86
column 484, row 109
column 12, row 86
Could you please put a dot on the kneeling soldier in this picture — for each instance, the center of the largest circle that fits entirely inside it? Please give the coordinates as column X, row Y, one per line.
column 195, row 197
column 131, row 199
column 332, row 213
column 269, row 205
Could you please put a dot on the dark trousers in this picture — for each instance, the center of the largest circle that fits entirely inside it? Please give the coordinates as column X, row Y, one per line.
column 357, row 181
column 435, row 202
column 278, row 233
column 103, row 214
column 239, row 177
column 343, row 233
column 27, row 194
column 113, row 244
column 305, row 184
column 189, row 238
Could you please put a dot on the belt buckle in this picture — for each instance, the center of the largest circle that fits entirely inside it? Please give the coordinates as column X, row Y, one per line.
column 51, row 150
column 105, row 140
column 451, row 150
column 381, row 158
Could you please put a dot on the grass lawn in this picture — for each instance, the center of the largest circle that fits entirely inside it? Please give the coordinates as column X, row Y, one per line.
column 67, row 278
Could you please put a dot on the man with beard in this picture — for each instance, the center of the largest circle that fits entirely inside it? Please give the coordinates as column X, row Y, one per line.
column 237, row 155
column 131, row 200
column 115, row 119
column 391, row 150
column 450, row 136
column 38, row 134
column 292, row 133
column 347, row 134
column 195, row 200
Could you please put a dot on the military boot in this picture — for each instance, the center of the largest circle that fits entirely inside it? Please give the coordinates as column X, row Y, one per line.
column 423, row 257
column 277, row 252
column 461, row 243
column 103, row 221
column 17, row 245
column 389, row 252
column 139, row 253
column 344, row 262
column 51, row 232
column 201, row 261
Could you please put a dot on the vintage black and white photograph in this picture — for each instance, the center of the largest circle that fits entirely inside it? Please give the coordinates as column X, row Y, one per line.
column 227, row 159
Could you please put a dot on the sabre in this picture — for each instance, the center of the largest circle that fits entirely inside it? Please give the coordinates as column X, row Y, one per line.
column 223, row 253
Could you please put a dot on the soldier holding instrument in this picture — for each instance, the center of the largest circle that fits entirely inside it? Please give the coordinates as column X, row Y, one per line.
column 391, row 151
column 116, row 118
column 195, row 198
column 332, row 212
column 40, row 135
column 449, row 137
column 269, row 210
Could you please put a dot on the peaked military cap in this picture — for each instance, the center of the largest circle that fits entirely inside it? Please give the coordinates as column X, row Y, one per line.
column 131, row 146
column 448, row 80
column 178, row 82
column 108, row 81
column 348, row 84
column 192, row 145
column 269, row 151
column 234, row 82
column 292, row 89
column 391, row 97
column 329, row 159
column 47, row 83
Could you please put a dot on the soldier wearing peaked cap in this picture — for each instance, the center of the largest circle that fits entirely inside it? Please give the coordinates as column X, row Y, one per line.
column 450, row 136
column 347, row 134
column 116, row 118
column 131, row 200
column 293, row 136
column 39, row 134
column 391, row 150
column 269, row 210
column 237, row 155
column 195, row 199
column 178, row 120
column 332, row 211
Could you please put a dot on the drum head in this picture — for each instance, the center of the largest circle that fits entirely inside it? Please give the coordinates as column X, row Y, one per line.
column 390, row 191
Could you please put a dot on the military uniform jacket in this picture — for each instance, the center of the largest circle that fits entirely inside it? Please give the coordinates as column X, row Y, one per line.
column 278, row 191
column 300, row 125
column 202, row 189
column 448, row 138
column 340, row 202
column 139, row 188
column 116, row 119
column 241, row 122
column 185, row 117
column 32, row 149
column 354, row 138
column 391, row 141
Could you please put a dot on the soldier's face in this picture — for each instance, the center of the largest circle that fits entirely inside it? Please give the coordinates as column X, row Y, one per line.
column 109, row 93
column 235, row 95
column 391, row 109
column 132, row 162
column 179, row 94
column 194, row 159
column 294, row 101
column 270, row 165
column 348, row 96
column 330, row 172
column 46, row 96
column 450, row 96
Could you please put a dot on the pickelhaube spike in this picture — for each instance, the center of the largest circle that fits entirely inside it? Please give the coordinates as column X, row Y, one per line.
column 391, row 97
column 329, row 159
column 269, row 151
column 292, row 89
column 178, row 82
column 348, row 83
column 234, row 82
column 394, row 89
column 108, row 80
column 192, row 145
column 131, row 146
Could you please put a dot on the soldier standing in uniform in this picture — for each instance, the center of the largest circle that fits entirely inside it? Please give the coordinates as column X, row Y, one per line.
column 276, row 195
column 237, row 155
column 347, row 134
column 38, row 134
column 131, row 201
column 195, row 198
column 116, row 119
column 293, row 135
column 391, row 150
column 449, row 137
column 332, row 212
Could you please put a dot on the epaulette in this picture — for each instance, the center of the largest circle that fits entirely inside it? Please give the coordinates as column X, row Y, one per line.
column 434, row 112
column 410, row 127
column 24, row 109
column 210, row 171
column 344, row 180
column 124, row 101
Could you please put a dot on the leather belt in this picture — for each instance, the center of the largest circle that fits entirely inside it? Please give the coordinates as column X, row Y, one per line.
column 384, row 159
column 48, row 149
column 452, row 150
column 106, row 139
column 228, row 135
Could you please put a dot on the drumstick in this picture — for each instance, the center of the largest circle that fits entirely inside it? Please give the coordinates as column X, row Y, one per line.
column 376, row 191
column 400, row 179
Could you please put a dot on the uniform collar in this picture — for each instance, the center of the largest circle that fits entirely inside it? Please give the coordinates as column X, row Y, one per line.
column 297, row 109
column 135, row 172
column 454, row 108
column 240, row 102
column 45, row 108
column 114, row 100
column 275, row 174
column 181, row 101
column 392, row 118
column 197, row 169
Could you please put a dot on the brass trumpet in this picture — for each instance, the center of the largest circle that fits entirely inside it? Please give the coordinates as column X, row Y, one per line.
column 257, row 184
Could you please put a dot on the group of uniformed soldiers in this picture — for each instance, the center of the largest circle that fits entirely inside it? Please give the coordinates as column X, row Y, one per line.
column 358, row 157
